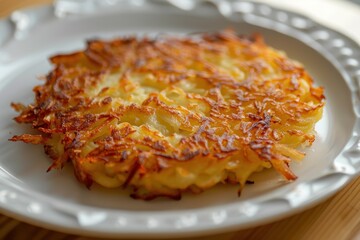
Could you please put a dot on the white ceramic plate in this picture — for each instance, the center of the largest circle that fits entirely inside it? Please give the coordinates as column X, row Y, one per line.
column 56, row 200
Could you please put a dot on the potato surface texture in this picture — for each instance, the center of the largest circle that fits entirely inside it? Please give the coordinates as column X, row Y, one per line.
column 166, row 115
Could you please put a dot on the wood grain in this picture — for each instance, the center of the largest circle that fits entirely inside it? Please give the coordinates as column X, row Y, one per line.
column 8, row 6
column 337, row 218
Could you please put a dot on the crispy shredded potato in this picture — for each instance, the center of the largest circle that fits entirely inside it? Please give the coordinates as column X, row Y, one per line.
column 173, row 114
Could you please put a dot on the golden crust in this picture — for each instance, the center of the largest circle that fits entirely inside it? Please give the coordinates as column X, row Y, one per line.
column 167, row 115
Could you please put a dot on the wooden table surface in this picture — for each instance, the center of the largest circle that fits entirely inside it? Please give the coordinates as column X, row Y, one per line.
column 337, row 218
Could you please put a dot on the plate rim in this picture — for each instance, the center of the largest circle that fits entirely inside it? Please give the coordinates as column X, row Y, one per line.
column 342, row 169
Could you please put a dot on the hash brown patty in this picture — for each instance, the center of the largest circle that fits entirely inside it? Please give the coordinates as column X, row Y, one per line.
column 173, row 114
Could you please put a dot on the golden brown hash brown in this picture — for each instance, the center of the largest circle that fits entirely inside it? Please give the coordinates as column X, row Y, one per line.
column 173, row 114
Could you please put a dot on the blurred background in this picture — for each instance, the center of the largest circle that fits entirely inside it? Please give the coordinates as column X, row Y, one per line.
column 6, row 6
